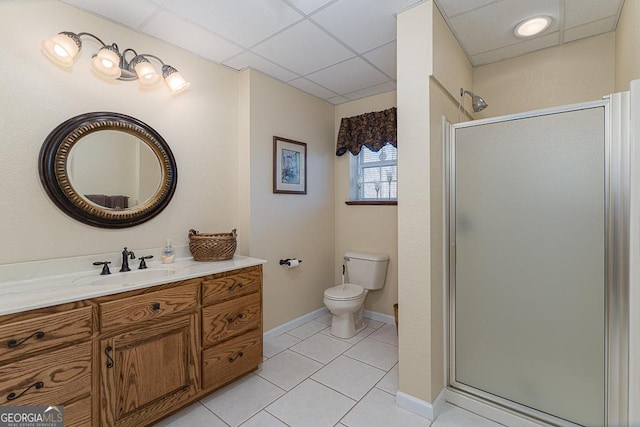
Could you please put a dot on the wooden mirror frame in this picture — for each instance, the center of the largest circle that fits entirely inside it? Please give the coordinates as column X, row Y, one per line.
column 54, row 176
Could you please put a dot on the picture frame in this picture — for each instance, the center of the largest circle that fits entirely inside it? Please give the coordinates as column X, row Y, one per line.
column 289, row 166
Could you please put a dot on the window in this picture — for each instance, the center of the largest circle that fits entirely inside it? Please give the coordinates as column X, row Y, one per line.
column 374, row 175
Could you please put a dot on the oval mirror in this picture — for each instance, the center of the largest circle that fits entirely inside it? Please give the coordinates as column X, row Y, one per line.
column 108, row 169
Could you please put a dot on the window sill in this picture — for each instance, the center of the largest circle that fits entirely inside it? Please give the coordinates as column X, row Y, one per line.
column 372, row 203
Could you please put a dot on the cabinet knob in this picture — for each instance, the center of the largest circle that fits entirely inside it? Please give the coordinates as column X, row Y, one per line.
column 13, row 396
column 233, row 359
column 107, row 352
column 233, row 319
column 234, row 287
column 156, row 306
column 15, row 343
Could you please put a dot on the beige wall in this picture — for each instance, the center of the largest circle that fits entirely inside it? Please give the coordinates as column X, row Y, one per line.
column 451, row 67
column 291, row 225
column 365, row 228
column 575, row 72
column 430, row 62
column 451, row 71
column 628, row 45
column 414, row 40
column 200, row 125
column 220, row 132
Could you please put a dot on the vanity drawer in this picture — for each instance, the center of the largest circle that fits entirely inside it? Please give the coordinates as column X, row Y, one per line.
column 153, row 305
column 228, row 361
column 23, row 338
column 78, row 413
column 230, row 318
column 244, row 282
column 51, row 378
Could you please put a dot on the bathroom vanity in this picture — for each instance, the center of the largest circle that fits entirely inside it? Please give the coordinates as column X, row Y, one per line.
column 124, row 350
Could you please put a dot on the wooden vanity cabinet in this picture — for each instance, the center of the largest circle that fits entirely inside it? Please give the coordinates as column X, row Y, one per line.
column 149, row 354
column 132, row 358
column 46, row 359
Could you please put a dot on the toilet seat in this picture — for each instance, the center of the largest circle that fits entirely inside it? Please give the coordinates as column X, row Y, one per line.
column 348, row 292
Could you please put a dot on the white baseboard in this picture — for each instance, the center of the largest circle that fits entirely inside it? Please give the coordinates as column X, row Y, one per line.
column 292, row 324
column 380, row 317
column 299, row 321
column 421, row 407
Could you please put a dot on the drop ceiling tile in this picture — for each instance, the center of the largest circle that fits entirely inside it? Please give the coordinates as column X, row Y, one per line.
column 126, row 12
column 251, row 60
column 384, row 58
column 308, row 6
column 312, row 88
column 456, row 7
column 337, row 100
column 190, row 37
column 348, row 76
column 370, row 91
column 579, row 12
column 246, row 22
column 514, row 50
column 303, row 48
column 363, row 24
column 491, row 27
column 594, row 28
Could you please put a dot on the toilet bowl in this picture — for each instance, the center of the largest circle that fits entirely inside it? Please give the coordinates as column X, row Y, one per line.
column 346, row 304
column 366, row 272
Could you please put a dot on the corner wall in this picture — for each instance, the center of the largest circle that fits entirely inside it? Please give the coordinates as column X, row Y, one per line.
column 415, row 55
column 431, row 63
column 365, row 228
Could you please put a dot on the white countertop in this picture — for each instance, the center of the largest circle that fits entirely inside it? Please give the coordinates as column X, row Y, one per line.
column 23, row 295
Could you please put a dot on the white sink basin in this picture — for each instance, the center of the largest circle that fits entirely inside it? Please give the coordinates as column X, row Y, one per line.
column 133, row 277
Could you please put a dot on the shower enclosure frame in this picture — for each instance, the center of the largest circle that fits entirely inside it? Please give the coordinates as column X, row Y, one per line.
column 616, row 268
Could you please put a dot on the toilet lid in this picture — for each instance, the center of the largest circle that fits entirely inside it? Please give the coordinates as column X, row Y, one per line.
column 344, row 293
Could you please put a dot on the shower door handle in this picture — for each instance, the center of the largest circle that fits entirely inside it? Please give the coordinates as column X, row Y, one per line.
column 452, row 254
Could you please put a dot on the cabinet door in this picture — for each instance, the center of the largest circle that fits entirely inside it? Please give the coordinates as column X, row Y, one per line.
column 147, row 372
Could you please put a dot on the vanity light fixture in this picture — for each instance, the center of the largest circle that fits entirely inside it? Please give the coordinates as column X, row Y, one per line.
column 109, row 63
column 532, row 26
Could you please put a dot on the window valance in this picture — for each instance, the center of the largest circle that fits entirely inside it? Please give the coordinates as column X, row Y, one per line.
column 373, row 130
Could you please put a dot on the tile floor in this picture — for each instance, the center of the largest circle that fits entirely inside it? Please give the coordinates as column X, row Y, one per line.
column 311, row 379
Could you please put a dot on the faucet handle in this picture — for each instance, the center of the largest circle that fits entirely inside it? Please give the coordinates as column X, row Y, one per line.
column 105, row 267
column 143, row 264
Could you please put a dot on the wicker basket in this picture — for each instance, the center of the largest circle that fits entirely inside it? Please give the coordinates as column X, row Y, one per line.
column 212, row 247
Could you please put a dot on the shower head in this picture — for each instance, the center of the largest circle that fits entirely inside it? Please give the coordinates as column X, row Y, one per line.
column 478, row 103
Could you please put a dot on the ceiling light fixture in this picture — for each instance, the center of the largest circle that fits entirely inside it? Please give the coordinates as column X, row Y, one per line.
column 532, row 26
column 109, row 63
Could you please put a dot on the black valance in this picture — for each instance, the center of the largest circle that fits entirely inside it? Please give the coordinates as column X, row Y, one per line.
column 373, row 130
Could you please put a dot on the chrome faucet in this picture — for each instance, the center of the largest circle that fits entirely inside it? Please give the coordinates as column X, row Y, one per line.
column 126, row 254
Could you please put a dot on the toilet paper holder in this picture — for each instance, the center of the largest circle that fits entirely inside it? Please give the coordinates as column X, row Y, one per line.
column 287, row 261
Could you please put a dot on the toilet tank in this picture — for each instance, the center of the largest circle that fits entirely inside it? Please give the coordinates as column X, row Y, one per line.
column 368, row 270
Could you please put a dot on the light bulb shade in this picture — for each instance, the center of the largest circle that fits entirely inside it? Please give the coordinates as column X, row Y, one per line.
column 62, row 48
column 174, row 80
column 106, row 62
column 147, row 75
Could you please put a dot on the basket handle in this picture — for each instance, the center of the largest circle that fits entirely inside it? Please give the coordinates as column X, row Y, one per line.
column 234, row 233
column 193, row 232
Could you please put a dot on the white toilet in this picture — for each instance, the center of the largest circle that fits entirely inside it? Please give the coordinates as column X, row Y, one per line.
column 365, row 272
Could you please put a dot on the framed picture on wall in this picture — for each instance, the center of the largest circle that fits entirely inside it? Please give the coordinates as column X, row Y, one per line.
column 289, row 166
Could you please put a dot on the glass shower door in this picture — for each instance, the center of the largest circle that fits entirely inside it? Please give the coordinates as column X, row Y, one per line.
column 528, row 276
